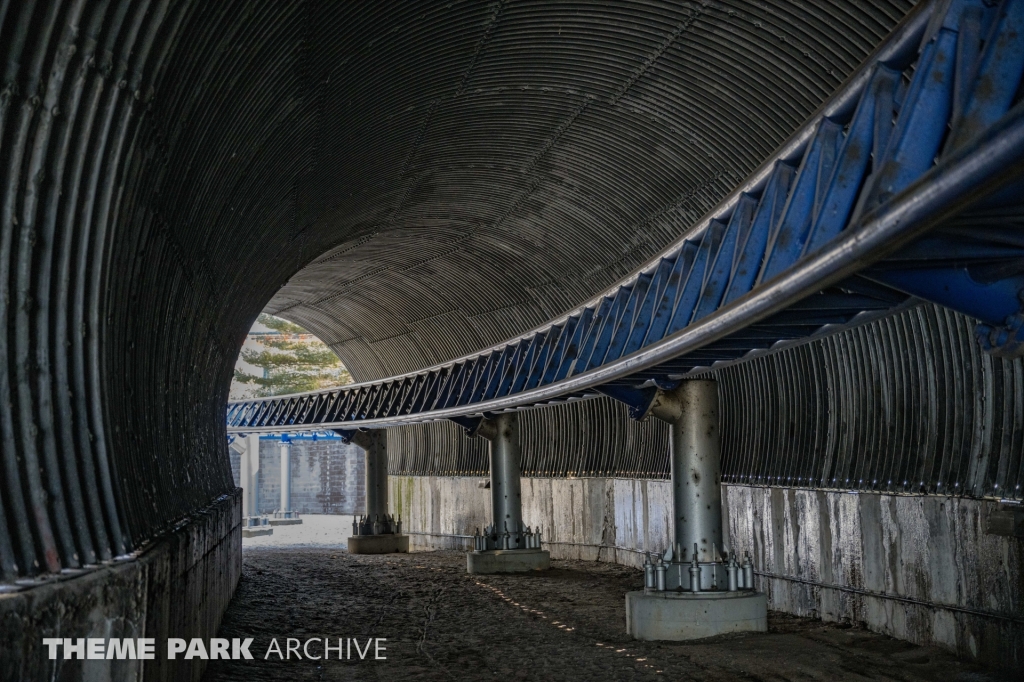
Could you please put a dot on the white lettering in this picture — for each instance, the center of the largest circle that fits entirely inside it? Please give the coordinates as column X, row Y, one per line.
column 121, row 649
column 147, row 649
column 196, row 649
column 288, row 653
column 78, row 648
column 219, row 649
column 51, row 643
column 243, row 650
column 274, row 648
column 305, row 650
column 327, row 648
column 174, row 646
column 94, row 648
column 378, row 648
column 362, row 654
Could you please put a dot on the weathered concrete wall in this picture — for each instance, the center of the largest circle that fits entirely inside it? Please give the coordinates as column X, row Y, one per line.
column 327, row 476
column 177, row 587
column 581, row 518
column 891, row 562
column 927, row 549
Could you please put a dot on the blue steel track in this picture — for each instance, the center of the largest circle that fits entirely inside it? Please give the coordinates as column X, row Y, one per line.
column 906, row 185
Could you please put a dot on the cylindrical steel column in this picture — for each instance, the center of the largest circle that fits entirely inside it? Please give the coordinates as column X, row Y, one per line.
column 245, row 478
column 377, row 475
column 505, row 453
column 375, row 446
column 252, row 452
column 286, row 477
column 692, row 413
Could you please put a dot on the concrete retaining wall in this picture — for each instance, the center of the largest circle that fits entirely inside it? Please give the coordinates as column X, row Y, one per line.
column 177, row 587
column 833, row 555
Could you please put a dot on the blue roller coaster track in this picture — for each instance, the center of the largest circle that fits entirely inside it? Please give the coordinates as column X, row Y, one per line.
column 905, row 186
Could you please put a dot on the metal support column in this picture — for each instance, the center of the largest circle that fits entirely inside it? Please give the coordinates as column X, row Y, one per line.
column 376, row 532
column 253, row 524
column 286, row 477
column 693, row 590
column 506, row 546
column 252, row 454
column 692, row 413
column 285, row 515
column 244, row 476
column 375, row 446
column 506, row 493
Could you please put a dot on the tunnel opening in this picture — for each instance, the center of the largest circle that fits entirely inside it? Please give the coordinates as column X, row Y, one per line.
column 421, row 185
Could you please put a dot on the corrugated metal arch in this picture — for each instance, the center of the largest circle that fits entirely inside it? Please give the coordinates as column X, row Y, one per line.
column 167, row 165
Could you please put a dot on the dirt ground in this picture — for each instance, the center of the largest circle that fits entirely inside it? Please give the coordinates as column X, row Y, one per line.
column 564, row 624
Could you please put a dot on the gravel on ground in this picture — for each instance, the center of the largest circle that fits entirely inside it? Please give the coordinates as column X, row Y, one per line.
column 567, row 623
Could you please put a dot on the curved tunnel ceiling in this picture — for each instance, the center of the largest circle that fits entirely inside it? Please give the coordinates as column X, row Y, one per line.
column 483, row 167
column 441, row 176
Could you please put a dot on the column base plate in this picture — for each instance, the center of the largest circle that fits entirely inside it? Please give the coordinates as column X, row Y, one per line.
column 256, row 531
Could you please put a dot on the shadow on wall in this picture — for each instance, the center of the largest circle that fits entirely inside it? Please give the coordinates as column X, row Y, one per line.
column 327, row 476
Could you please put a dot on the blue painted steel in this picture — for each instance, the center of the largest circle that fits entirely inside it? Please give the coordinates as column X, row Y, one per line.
column 941, row 87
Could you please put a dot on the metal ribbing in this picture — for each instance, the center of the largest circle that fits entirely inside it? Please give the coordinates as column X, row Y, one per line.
column 556, row 148
column 905, row 404
column 587, row 438
column 469, row 169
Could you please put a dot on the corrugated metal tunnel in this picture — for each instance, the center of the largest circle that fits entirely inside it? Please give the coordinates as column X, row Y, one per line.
column 410, row 181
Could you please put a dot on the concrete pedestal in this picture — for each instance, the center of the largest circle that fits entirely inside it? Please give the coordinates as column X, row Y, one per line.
column 508, row 561
column 678, row 616
column 378, row 544
column 256, row 531
column 285, row 522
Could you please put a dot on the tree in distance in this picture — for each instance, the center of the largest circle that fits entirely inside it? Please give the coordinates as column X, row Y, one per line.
column 293, row 361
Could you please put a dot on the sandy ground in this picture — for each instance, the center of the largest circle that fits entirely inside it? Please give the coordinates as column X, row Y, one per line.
column 316, row 530
column 564, row 624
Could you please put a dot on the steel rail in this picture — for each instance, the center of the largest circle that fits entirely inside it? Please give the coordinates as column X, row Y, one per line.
column 821, row 224
column 901, row 41
column 968, row 176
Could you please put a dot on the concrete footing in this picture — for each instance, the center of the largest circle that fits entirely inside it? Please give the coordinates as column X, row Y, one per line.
column 678, row 616
column 285, row 522
column 256, row 531
column 378, row 544
column 508, row 561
